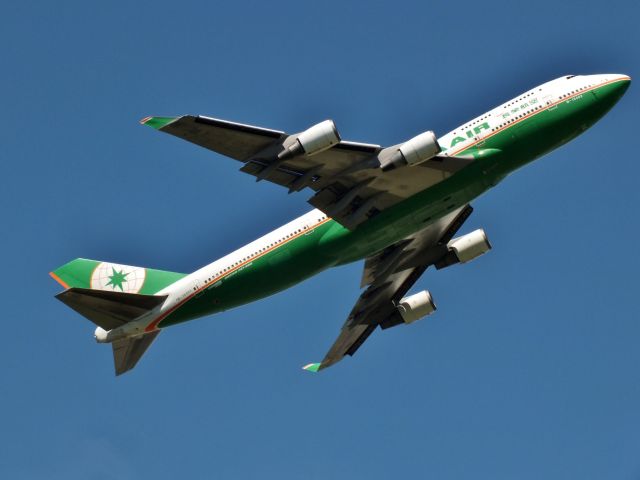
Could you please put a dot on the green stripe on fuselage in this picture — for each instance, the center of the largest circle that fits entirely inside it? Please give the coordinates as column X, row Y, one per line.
column 331, row 244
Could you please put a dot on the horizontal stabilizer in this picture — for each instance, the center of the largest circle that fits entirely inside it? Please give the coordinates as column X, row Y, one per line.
column 128, row 351
column 107, row 309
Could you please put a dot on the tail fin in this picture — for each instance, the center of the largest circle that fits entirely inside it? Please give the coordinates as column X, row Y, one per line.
column 111, row 310
column 111, row 295
column 96, row 275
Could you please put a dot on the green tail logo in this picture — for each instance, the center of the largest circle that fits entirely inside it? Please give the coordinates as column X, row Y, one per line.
column 96, row 275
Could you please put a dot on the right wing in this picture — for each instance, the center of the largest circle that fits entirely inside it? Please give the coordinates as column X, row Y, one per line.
column 233, row 140
column 347, row 180
column 390, row 274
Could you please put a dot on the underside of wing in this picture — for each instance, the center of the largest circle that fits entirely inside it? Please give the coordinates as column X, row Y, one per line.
column 351, row 181
column 234, row 140
column 389, row 276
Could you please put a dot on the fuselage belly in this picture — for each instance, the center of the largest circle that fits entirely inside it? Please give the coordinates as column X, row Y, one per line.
column 499, row 142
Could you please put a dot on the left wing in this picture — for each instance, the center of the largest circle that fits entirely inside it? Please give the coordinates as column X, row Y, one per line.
column 390, row 274
column 346, row 177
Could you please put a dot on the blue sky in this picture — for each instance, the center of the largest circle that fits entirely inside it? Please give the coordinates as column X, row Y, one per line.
column 530, row 368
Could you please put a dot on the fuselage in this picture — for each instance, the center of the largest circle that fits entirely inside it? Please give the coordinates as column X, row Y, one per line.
column 499, row 142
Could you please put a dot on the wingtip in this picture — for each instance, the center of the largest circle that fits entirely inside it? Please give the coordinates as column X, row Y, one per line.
column 312, row 367
column 157, row 122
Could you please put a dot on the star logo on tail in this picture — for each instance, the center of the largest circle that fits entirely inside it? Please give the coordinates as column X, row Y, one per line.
column 116, row 279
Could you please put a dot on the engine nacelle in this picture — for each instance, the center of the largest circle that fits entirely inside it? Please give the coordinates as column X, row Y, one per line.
column 470, row 246
column 413, row 152
column 465, row 248
column 417, row 306
column 314, row 140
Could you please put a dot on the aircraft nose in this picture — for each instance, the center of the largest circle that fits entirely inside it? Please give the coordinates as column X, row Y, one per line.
column 613, row 89
column 621, row 83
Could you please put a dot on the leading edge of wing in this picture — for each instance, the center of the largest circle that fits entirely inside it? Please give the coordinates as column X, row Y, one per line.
column 160, row 122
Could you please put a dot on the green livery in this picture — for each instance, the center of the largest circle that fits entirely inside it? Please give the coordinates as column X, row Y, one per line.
column 400, row 219
column 79, row 272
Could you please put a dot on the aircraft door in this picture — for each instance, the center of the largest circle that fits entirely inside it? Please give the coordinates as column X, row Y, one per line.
column 196, row 287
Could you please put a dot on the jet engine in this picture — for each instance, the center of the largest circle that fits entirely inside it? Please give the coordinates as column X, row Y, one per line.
column 417, row 306
column 465, row 248
column 413, row 152
column 314, row 140
column 470, row 246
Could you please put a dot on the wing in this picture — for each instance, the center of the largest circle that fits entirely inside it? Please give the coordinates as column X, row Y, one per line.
column 390, row 274
column 128, row 351
column 346, row 179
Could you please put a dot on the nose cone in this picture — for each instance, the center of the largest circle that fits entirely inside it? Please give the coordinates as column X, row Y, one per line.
column 613, row 88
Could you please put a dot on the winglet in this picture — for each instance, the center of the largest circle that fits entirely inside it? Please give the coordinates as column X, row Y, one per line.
column 312, row 367
column 157, row 122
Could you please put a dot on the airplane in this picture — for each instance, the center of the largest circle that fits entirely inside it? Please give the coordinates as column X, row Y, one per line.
column 399, row 208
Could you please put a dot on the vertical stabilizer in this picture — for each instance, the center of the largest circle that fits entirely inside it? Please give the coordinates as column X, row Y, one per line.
column 97, row 275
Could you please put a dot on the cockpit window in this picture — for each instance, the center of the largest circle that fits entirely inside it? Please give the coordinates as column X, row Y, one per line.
column 569, row 76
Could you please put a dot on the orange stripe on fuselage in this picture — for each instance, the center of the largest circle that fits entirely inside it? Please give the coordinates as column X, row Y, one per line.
column 537, row 112
column 152, row 326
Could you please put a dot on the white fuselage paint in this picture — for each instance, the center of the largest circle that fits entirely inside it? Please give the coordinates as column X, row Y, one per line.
column 502, row 116
column 497, row 119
